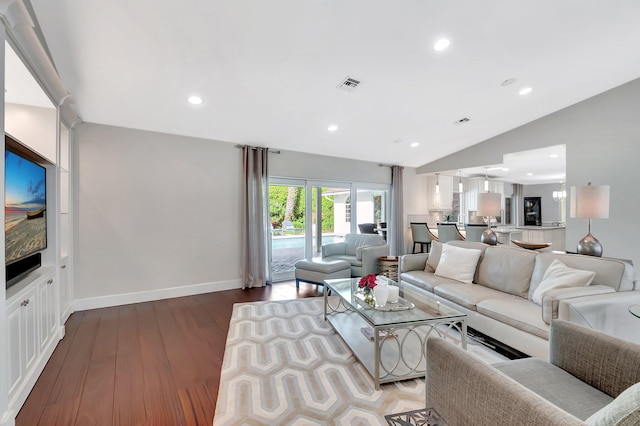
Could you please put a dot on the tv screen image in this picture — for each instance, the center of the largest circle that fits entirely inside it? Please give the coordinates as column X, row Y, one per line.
column 25, row 224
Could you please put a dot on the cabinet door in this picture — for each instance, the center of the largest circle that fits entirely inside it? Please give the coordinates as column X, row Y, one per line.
column 47, row 314
column 16, row 337
column 65, row 291
column 23, row 338
column 31, row 332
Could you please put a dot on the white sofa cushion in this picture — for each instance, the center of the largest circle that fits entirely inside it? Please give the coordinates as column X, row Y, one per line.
column 426, row 280
column 507, row 269
column 458, row 263
column 516, row 311
column 469, row 295
column 559, row 275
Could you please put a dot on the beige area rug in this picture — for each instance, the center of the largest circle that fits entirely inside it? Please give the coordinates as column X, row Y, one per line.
column 284, row 365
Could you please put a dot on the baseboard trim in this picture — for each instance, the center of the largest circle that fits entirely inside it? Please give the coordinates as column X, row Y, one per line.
column 151, row 295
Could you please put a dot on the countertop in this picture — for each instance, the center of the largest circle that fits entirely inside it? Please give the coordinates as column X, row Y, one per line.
column 542, row 228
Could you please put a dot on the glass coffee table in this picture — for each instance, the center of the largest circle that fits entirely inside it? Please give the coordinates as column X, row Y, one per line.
column 390, row 341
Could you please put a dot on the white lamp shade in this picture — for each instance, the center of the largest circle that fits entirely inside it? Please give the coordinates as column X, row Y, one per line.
column 489, row 203
column 590, row 202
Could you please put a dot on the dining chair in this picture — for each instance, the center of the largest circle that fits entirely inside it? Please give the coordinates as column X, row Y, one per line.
column 474, row 231
column 448, row 232
column 421, row 235
column 367, row 228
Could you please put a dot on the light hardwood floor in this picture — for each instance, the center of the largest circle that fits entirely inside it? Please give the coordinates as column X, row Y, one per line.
column 153, row 363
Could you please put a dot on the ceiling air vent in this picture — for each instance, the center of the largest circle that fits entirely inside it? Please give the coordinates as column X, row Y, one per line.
column 462, row 120
column 349, row 84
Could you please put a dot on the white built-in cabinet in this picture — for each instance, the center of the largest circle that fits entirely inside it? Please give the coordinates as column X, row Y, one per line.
column 32, row 330
column 32, row 320
column 65, row 285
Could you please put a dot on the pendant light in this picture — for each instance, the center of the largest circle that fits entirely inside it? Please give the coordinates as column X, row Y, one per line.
column 486, row 181
column 460, row 187
column 437, row 183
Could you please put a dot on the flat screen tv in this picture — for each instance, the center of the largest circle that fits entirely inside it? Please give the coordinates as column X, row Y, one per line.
column 25, row 208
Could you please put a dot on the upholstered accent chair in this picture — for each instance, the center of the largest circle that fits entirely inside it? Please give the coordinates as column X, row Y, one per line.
column 590, row 376
column 360, row 250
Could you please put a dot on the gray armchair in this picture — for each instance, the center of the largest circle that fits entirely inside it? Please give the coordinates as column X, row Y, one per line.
column 360, row 250
column 587, row 370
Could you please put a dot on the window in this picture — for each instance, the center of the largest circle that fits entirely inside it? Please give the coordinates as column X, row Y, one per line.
column 347, row 210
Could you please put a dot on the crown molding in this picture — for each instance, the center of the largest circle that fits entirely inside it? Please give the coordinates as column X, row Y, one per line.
column 20, row 30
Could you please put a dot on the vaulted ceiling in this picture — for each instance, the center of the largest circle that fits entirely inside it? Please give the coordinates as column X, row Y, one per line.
column 267, row 71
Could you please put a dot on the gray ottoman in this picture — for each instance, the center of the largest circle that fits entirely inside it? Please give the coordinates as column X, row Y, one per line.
column 315, row 271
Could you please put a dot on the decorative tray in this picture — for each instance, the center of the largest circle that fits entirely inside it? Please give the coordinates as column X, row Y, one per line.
column 401, row 305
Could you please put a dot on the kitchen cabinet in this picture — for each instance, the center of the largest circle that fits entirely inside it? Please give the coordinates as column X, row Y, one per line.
column 475, row 186
column 443, row 200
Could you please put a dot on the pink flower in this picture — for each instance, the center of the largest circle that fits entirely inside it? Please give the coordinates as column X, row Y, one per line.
column 368, row 281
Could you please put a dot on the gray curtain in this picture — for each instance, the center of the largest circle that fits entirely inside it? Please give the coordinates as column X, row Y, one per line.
column 396, row 231
column 255, row 217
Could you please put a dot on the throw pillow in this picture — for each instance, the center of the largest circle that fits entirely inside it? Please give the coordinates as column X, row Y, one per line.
column 559, row 275
column 434, row 256
column 622, row 411
column 458, row 263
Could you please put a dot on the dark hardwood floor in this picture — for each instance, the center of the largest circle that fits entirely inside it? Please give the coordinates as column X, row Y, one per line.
column 153, row 363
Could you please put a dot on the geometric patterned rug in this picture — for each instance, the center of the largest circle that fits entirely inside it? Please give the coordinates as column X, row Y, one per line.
column 284, row 365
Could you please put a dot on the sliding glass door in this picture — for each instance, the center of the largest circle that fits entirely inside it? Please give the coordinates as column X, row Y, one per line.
column 305, row 215
column 288, row 230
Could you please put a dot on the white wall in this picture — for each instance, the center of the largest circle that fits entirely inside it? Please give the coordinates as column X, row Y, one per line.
column 415, row 201
column 551, row 210
column 40, row 137
column 602, row 136
column 154, row 211
column 293, row 164
column 157, row 212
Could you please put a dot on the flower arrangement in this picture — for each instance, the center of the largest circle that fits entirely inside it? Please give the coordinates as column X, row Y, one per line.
column 366, row 285
column 368, row 282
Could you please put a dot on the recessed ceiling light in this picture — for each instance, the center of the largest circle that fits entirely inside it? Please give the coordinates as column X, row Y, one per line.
column 525, row 91
column 441, row 45
column 529, row 174
column 505, row 169
column 332, row 128
column 554, row 156
column 195, row 100
column 415, row 144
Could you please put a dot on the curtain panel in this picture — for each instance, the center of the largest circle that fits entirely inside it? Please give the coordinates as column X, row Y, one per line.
column 396, row 240
column 255, row 217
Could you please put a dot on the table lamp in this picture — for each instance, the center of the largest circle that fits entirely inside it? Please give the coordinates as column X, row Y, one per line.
column 590, row 202
column 489, row 204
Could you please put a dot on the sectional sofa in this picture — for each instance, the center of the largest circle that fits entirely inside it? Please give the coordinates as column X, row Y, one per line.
column 498, row 293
